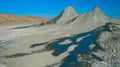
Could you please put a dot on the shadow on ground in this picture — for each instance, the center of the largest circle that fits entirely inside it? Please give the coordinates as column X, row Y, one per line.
column 82, row 48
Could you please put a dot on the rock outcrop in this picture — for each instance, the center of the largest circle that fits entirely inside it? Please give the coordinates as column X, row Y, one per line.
column 110, row 41
column 106, row 50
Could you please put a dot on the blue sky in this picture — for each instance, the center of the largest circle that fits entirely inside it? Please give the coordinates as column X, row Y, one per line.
column 51, row 8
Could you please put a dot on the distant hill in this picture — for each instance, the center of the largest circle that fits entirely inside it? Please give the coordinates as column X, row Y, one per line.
column 14, row 18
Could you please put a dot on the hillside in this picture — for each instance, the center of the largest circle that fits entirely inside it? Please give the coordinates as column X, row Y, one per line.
column 9, row 18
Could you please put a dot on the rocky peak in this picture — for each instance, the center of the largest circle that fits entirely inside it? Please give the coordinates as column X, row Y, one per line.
column 66, row 15
column 96, row 15
column 94, row 18
column 69, row 9
column 96, row 9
